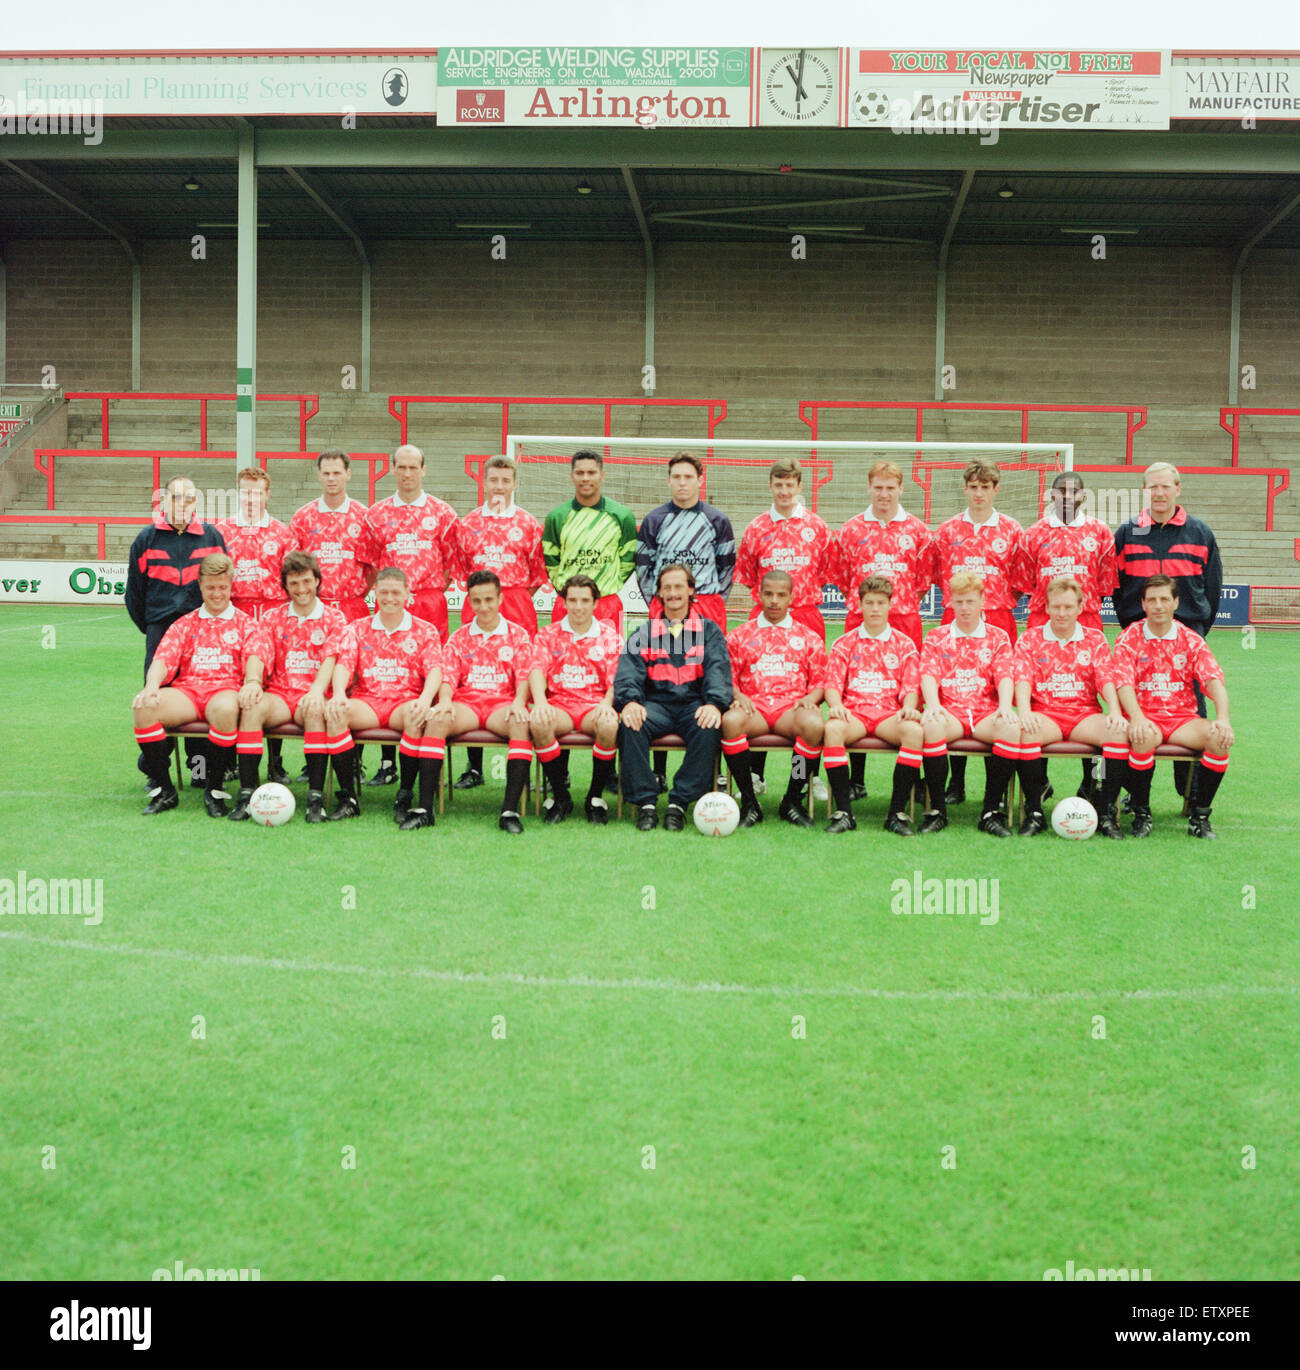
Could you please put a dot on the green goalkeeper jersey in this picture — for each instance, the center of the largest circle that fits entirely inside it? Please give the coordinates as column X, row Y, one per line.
column 597, row 540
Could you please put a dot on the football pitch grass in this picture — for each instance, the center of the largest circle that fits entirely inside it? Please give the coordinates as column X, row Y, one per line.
column 349, row 1053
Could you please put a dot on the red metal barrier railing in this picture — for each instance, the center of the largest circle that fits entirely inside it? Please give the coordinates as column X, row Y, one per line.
column 399, row 405
column 44, row 458
column 1230, row 422
column 1135, row 414
column 308, row 407
column 101, row 520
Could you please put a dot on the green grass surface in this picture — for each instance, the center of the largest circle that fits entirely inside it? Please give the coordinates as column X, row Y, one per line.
column 349, row 978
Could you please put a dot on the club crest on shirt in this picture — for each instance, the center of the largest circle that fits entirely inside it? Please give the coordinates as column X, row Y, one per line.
column 409, row 646
column 506, row 654
column 1085, row 657
column 516, row 535
column 429, row 523
column 797, row 643
column 985, row 656
column 269, row 547
column 891, row 661
column 354, row 530
column 808, row 534
column 231, row 636
column 317, row 637
column 1090, row 544
column 905, row 542
column 1180, row 660
column 597, row 653
column 999, row 545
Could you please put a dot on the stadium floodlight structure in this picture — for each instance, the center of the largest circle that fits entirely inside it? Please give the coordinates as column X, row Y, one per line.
column 834, row 479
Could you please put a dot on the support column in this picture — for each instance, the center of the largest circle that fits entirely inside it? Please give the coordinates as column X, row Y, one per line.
column 365, row 320
column 246, row 304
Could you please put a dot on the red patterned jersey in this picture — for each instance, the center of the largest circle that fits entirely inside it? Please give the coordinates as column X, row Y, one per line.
column 212, row 651
column 579, row 667
column 1084, row 549
column 494, row 664
column 388, row 665
column 1063, row 675
column 1161, row 669
column 418, row 538
column 898, row 550
column 802, row 546
column 257, row 549
column 773, row 662
column 299, row 645
column 337, row 538
column 509, row 544
column 874, row 674
column 967, row 668
column 989, row 549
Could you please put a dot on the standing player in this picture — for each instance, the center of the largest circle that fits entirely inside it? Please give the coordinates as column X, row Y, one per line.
column 391, row 665
column 984, row 541
column 1157, row 662
column 416, row 532
column 208, row 666
column 966, row 683
column 500, row 537
column 486, row 668
column 873, row 670
column 884, row 540
column 574, row 662
column 1060, row 670
column 304, row 637
column 779, row 669
column 1067, row 542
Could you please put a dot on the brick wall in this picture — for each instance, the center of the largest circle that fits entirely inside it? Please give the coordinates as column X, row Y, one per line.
column 1270, row 327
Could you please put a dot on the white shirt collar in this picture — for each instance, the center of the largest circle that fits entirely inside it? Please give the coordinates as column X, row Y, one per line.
column 410, row 503
column 317, row 612
column 593, row 629
column 1050, row 636
column 1058, row 523
column 977, row 631
column 501, row 630
column 786, row 622
column 402, row 627
column 227, row 612
column 263, row 522
column 884, row 637
column 797, row 513
column 899, row 515
column 507, row 513
column 990, row 522
column 1168, row 637
column 348, row 502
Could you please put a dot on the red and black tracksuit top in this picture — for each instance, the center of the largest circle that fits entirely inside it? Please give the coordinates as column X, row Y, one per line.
column 162, row 577
column 690, row 667
column 1183, row 548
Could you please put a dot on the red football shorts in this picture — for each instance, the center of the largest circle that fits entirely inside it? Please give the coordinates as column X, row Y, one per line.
column 1067, row 719
column 516, row 606
column 482, row 705
column 1087, row 619
column 576, row 706
column 1169, row 724
column 807, row 614
column 608, row 607
column 431, row 606
column 199, row 693
column 871, row 721
column 999, row 618
column 772, row 709
column 907, row 624
column 383, row 709
column 289, row 695
column 351, row 609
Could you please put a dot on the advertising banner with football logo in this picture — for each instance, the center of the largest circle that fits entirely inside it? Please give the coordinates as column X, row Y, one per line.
column 956, row 89
column 556, row 87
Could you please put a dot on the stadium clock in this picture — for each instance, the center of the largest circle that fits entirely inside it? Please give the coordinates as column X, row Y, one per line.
column 799, row 86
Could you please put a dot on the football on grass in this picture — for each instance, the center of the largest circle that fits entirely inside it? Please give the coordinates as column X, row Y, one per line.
column 716, row 814
column 1074, row 818
column 271, row 805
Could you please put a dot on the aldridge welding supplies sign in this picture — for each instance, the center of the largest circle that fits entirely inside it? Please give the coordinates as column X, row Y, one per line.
column 552, row 87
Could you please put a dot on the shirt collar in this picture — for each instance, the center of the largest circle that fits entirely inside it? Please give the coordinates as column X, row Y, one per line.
column 1056, row 522
column 593, row 629
column 501, row 630
column 786, row 622
column 410, row 503
column 507, row 513
column 1175, row 520
column 797, row 513
column 347, row 504
column 884, row 637
column 228, row 612
column 977, row 631
column 1168, row 637
column 263, row 522
column 402, row 627
column 1050, row 636
column 899, row 515
column 990, row 522
column 317, row 612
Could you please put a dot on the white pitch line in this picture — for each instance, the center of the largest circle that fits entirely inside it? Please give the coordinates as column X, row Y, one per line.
column 462, row 977
column 58, row 623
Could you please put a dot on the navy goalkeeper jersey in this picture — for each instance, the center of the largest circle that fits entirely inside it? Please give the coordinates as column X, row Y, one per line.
column 699, row 537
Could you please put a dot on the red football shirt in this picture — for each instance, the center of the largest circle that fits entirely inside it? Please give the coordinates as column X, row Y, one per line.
column 1084, row 549
column 1161, row 669
column 299, row 645
column 967, row 668
column 509, row 544
column 802, row 546
column 580, row 668
column 386, row 665
column 337, row 538
column 874, row 674
column 773, row 662
column 898, row 550
column 989, row 549
column 489, row 664
column 418, row 538
column 257, row 549
column 1065, row 675
column 211, row 651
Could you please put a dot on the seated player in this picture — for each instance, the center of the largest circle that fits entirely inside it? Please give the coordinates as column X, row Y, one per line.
column 303, row 636
column 1060, row 669
column 391, row 667
column 873, row 670
column 574, row 662
column 674, row 676
column 486, row 666
column 1156, row 662
column 208, row 666
column 966, row 683
column 779, row 669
